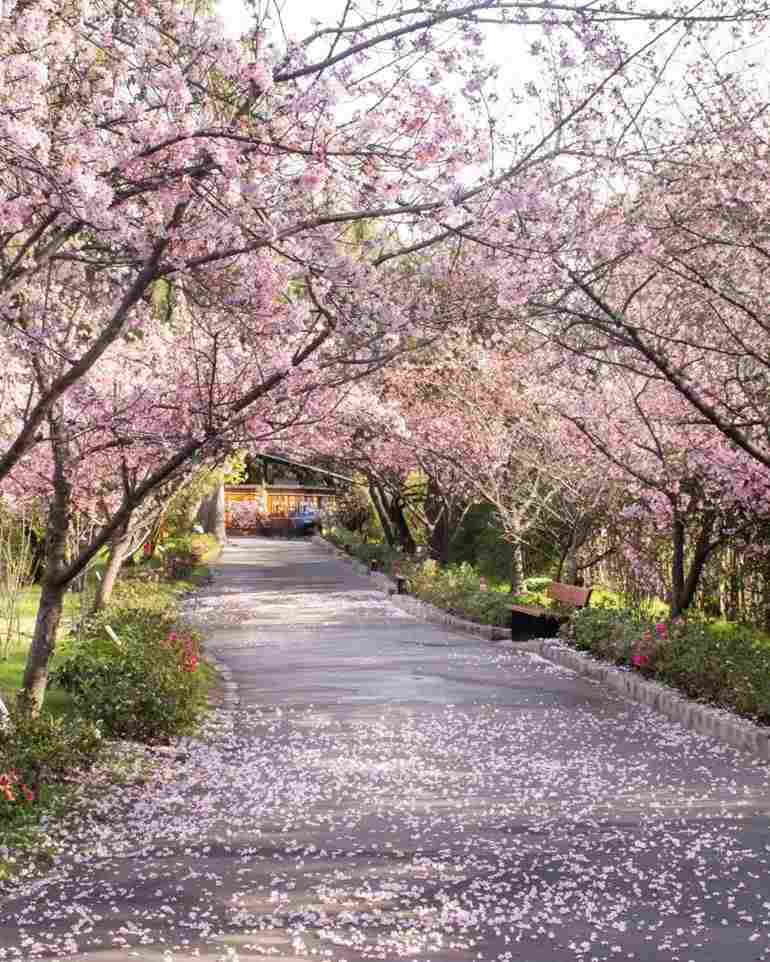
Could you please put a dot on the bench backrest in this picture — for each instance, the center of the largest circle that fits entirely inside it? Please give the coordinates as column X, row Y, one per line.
column 569, row 594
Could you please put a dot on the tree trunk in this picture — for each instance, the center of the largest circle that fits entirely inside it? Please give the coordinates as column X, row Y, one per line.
column 378, row 500
column 701, row 554
column 437, row 514
column 400, row 526
column 765, row 620
column 571, row 569
column 517, row 567
column 212, row 514
column 578, row 537
column 218, row 515
column 37, row 545
column 30, row 699
column 685, row 585
column 563, row 553
column 439, row 540
column 118, row 548
column 734, row 590
column 677, row 567
column 43, row 644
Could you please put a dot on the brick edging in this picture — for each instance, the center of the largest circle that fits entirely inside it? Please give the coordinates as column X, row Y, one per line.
column 720, row 724
column 414, row 606
column 717, row 722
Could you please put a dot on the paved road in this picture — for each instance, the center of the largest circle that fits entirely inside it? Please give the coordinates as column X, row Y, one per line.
column 388, row 790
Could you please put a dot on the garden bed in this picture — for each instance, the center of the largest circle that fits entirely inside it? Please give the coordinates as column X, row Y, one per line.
column 719, row 664
column 133, row 673
column 719, row 723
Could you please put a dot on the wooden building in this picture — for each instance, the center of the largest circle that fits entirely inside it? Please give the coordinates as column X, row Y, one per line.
column 276, row 488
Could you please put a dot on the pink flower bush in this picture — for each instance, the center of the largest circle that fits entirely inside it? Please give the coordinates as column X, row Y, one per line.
column 188, row 648
column 13, row 789
column 646, row 648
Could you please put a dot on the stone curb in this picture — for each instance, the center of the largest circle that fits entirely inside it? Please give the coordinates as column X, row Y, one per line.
column 716, row 722
column 427, row 612
column 720, row 724
column 413, row 606
column 231, row 700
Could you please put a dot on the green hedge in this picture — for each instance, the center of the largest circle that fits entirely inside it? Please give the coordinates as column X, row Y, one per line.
column 458, row 589
column 36, row 750
column 724, row 666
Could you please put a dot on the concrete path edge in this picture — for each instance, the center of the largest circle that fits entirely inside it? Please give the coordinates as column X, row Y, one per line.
column 413, row 606
column 716, row 722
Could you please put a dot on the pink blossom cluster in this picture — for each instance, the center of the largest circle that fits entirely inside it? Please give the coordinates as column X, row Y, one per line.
column 646, row 648
column 187, row 646
column 13, row 789
column 243, row 516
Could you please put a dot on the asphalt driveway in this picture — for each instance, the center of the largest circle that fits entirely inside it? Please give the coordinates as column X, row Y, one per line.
column 386, row 789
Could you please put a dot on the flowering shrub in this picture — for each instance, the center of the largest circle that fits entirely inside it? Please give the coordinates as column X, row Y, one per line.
column 144, row 683
column 607, row 632
column 13, row 789
column 187, row 647
column 458, row 589
column 35, row 752
column 16, row 797
column 728, row 667
column 647, row 650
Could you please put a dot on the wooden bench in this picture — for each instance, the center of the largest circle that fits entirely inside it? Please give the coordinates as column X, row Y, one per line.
column 533, row 621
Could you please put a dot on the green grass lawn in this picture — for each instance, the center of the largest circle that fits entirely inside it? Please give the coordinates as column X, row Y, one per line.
column 16, row 646
column 15, row 649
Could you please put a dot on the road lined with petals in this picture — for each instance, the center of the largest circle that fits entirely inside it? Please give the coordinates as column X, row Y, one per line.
column 389, row 790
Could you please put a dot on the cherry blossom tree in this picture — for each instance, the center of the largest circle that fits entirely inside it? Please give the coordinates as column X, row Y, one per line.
column 496, row 432
column 151, row 147
column 670, row 280
column 687, row 491
column 120, row 443
column 193, row 385
column 473, row 423
column 161, row 178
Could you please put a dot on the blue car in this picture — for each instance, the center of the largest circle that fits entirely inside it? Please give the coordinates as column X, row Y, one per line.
column 305, row 519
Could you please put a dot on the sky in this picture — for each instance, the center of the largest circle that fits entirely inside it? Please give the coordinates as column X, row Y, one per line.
column 298, row 16
column 509, row 49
